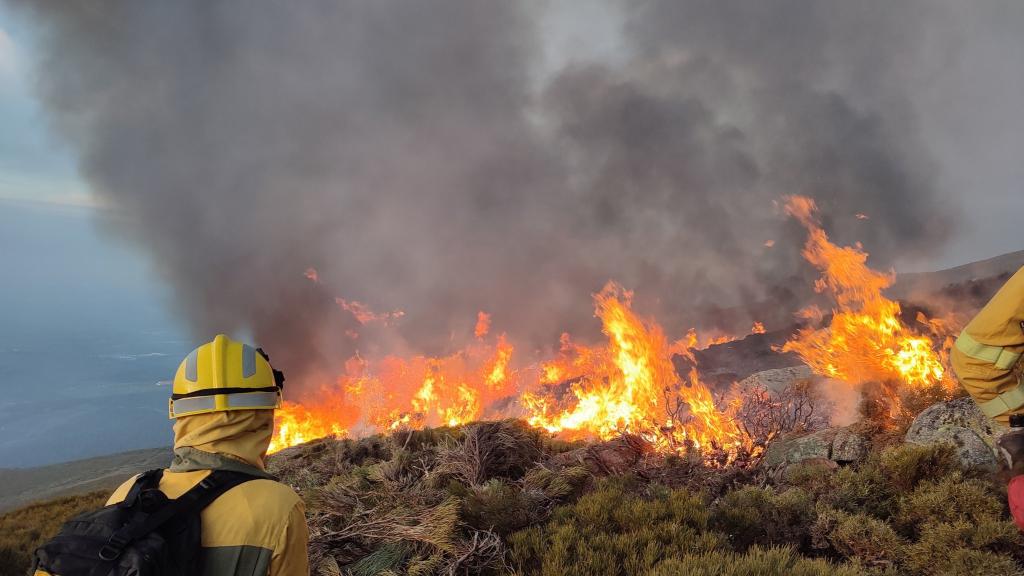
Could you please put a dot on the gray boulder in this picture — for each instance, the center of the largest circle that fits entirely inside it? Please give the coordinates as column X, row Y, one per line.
column 777, row 379
column 962, row 425
column 840, row 445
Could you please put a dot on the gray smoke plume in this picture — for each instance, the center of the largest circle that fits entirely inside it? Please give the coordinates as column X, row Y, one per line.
column 418, row 157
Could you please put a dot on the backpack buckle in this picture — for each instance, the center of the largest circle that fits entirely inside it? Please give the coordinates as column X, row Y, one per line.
column 109, row 553
column 112, row 549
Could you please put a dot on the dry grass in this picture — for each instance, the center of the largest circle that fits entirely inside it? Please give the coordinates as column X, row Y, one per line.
column 23, row 530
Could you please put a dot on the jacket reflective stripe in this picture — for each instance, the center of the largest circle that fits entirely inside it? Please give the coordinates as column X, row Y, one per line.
column 237, row 401
column 998, row 356
column 1005, row 402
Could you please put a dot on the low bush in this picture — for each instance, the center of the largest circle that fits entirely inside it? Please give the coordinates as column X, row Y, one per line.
column 876, row 485
column 950, row 499
column 753, row 515
column 962, row 548
column 859, row 537
column 615, row 530
column 755, row 562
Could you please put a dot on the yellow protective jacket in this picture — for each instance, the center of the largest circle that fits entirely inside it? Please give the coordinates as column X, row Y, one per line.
column 254, row 529
column 986, row 357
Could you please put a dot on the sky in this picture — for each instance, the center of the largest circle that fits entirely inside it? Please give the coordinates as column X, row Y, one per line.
column 88, row 338
column 74, row 291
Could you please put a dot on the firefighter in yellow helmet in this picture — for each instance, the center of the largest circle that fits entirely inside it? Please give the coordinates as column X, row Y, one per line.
column 223, row 402
column 987, row 361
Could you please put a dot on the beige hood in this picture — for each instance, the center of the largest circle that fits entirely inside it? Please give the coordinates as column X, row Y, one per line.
column 240, row 434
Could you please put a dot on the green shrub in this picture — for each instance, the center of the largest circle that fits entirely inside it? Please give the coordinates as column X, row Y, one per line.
column 23, row 530
column 858, row 537
column 813, row 476
column 498, row 507
column 875, row 486
column 950, row 499
column 755, row 562
column 965, row 548
column 907, row 465
column 614, row 530
column 752, row 515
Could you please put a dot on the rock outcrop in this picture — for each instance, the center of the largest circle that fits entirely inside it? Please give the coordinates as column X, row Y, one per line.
column 839, row 445
column 961, row 424
column 777, row 379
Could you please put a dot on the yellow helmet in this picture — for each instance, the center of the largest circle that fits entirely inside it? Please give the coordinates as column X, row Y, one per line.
column 225, row 375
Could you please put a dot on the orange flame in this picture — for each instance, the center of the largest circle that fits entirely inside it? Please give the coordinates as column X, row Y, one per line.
column 627, row 385
column 866, row 340
column 630, row 386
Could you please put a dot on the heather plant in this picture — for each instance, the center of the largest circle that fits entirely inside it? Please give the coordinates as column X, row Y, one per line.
column 766, row 516
column 950, row 499
column 859, row 537
column 756, row 561
column 876, row 485
column 619, row 528
column 988, row 547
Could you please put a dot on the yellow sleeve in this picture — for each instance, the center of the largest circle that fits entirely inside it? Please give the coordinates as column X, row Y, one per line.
column 291, row 556
column 989, row 349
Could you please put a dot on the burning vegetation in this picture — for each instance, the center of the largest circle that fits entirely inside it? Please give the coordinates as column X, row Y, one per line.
column 628, row 384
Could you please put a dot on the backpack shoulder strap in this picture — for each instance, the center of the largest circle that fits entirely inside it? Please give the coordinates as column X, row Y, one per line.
column 148, row 480
column 197, row 498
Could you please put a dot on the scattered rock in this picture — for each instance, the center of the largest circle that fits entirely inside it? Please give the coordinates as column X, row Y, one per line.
column 777, row 379
column 849, row 446
column 962, row 424
column 839, row 445
column 781, row 473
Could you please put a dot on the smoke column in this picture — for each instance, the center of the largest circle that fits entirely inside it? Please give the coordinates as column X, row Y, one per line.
column 414, row 154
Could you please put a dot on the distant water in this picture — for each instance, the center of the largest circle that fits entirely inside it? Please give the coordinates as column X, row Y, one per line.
column 87, row 340
column 74, row 397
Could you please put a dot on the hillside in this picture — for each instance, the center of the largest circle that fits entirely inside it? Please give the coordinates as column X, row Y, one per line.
column 921, row 283
column 23, row 485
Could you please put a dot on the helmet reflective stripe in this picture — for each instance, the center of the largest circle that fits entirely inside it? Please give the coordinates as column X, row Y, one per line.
column 224, row 375
column 255, row 400
column 237, row 401
column 248, row 361
column 192, row 366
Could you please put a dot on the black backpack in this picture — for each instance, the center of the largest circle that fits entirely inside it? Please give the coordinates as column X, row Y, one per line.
column 147, row 534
